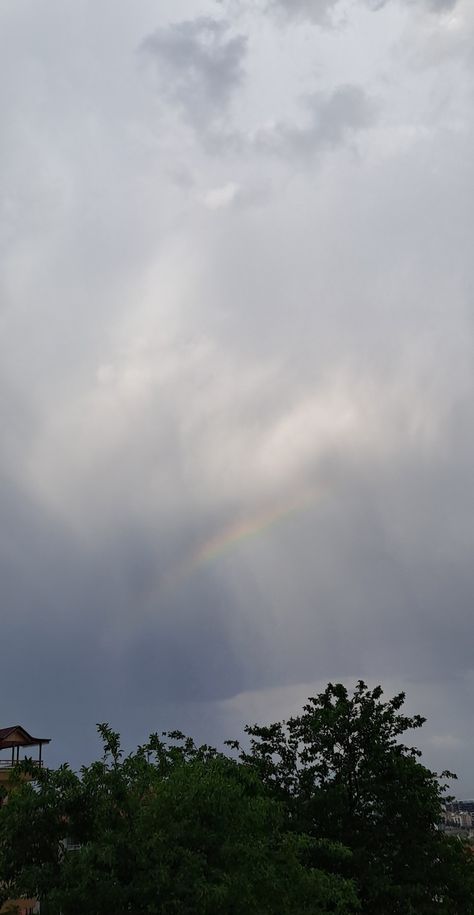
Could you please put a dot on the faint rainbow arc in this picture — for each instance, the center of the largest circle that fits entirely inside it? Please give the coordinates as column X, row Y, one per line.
column 237, row 532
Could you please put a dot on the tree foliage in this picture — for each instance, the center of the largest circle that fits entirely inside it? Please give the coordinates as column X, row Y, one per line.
column 343, row 773
column 170, row 829
column 329, row 812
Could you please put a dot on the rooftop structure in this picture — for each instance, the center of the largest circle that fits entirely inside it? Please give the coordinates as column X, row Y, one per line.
column 15, row 742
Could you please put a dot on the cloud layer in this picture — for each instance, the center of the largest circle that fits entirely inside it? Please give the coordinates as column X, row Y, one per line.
column 199, row 65
column 321, row 11
column 236, row 350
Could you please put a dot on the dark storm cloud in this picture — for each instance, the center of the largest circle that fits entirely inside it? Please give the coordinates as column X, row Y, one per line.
column 331, row 120
column 377, row 576
column 200, row 65
column 183, row 650
column 91, row 631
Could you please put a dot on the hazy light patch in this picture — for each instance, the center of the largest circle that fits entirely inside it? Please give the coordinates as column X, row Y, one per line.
column 219, row 197
column 446, row 741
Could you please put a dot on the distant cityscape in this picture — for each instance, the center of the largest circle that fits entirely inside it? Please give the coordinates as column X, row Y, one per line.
column 458, row 818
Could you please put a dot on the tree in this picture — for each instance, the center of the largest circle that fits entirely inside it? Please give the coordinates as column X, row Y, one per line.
column 343, row 774
column 330, row 813
column 172, row 828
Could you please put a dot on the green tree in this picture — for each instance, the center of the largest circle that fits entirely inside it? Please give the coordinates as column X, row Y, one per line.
column 172, row 828
column 330, row 812
column 343, row 774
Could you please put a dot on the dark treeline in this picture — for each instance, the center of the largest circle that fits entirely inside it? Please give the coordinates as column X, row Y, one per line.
column 329, row 812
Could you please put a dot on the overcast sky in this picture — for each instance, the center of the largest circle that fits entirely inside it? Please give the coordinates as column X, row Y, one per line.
column 236, row 364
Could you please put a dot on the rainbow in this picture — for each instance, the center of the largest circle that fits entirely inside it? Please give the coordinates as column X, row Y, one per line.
column 244, row 529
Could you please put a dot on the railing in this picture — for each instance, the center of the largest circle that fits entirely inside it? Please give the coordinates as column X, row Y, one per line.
column 11, row 763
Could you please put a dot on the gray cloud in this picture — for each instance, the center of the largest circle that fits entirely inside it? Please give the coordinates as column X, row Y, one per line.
column 443, row 4
column 200, row 65
column 331, row 120
column 237, row 441
column 436, row 5
column 320, row 11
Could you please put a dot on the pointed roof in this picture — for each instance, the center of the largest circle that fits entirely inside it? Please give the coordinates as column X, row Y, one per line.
column 16, row 736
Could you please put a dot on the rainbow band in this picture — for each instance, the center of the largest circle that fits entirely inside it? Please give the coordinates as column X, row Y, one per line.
column 238, row 531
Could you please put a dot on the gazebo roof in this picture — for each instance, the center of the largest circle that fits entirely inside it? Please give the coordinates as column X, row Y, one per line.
column 16, row 736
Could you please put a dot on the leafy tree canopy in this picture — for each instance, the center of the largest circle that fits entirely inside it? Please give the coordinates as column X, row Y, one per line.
column 330, row 812
column 343, row 772
column 172, row 828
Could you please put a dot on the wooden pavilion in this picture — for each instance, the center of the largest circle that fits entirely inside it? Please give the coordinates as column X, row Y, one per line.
column 14, row 744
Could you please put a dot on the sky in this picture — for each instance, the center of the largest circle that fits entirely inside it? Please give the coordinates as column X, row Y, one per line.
column 236, row 364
